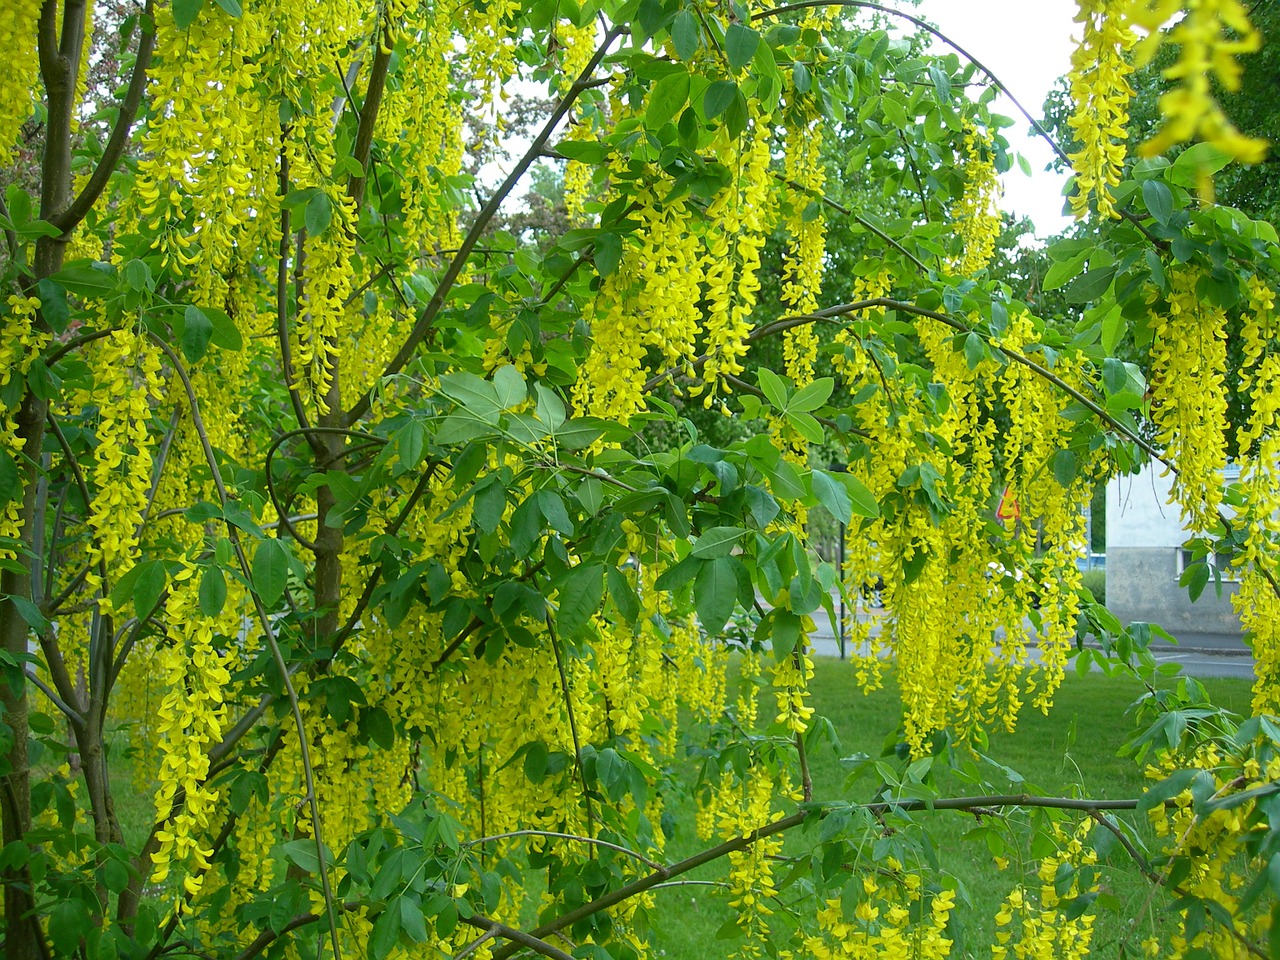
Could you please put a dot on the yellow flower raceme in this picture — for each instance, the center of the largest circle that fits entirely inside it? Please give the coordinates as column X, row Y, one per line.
column 127, row 383
column 742, row 216
column 977, row 212
column 1189, row 406
column 18, row 19
column 190, row 715
column 807, row 231
column 1210, row 36
column 1100, row 89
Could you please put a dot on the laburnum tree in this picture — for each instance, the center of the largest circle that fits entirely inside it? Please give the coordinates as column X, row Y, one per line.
column 329, row 518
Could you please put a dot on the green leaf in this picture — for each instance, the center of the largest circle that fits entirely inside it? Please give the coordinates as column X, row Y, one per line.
column 29, row 612
column 225, row 335
column 85, row 280
column 489, row 505
column 509, row 385
column 675, row 577
column 810, row 398
column 1113, row 328
column 832, row 495
column 667, row 98
column 1091, row 286
column 115, row 875
column 608, row 252
column 686, row 35
column 800, row 77
column 773, row 387
column 740, row 43
column 718, row 97
column 1064, row 467
column 861, row 499
column 785, row 634
column 53, row 305
column 10, row 478
column 942, row 84
column 624, row 596
column 1064, row 270
column 1197, row 161
column 386, row 934
column 213, row 591
column 319, row 213
column 375, row 725
column 304, row 854
column 410, row 441
column 270, row 570
column 1159, row 200
column 715, row 593
column 185, row 12
column 975, row 351
column 231, row 7
column 1195, row 578
column 1166, row 789
column 717, row 542
column 581, row 592
column 805, row 425
column 785, row 480
column 197, row 330
column 148, row 587
column 69, row 924
column 411, row 921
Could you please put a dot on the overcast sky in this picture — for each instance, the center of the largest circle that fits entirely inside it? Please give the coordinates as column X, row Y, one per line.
column 1027, row 44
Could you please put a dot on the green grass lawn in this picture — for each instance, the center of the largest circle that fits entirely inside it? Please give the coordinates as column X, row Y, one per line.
column 1071, row 751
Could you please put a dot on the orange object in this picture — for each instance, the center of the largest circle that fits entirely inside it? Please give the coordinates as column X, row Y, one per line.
column 1008, row 509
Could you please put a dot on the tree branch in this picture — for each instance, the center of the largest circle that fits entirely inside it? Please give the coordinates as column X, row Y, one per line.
column 428, row 315
column 67, row 220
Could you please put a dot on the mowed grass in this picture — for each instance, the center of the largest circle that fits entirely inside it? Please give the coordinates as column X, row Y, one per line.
column 1071, row 751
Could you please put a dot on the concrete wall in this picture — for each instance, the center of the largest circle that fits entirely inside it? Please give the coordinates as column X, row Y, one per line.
column 1144, row 540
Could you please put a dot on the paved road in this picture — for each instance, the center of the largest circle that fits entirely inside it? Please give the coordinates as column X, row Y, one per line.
column 1201, row 655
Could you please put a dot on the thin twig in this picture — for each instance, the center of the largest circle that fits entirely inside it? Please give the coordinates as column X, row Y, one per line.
column 272, row 644
column 651, row 864
column 573, row 725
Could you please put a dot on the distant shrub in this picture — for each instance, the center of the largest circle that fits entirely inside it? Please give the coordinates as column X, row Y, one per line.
column 1096, row 581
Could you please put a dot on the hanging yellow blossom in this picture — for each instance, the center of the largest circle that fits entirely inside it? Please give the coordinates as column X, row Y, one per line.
column 977, row 212
column 1100, row 90
column 1210, row 36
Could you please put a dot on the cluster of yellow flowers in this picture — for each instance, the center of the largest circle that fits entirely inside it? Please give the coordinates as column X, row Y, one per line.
column 194, row 675
column 18, row 21
column 1216, row 844
column 1209, row 35
column 425, row 128
column 19, row 345
column 744, row 804
column 741, row 216
column 1189, row 406
column 649, row 301
column 895, row 917
column 127, row 381
column 1100, row 89
column 807, row 232
column 945, row 597
column 791, row 678
column 330, row 268
column 977, row 212
column 1033, row 924
column 1258, row 442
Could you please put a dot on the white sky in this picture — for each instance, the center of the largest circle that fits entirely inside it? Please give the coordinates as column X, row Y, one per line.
column 1027, row 44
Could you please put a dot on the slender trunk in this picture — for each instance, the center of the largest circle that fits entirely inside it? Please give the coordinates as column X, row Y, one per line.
column 59, row 53
column 22, row 934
